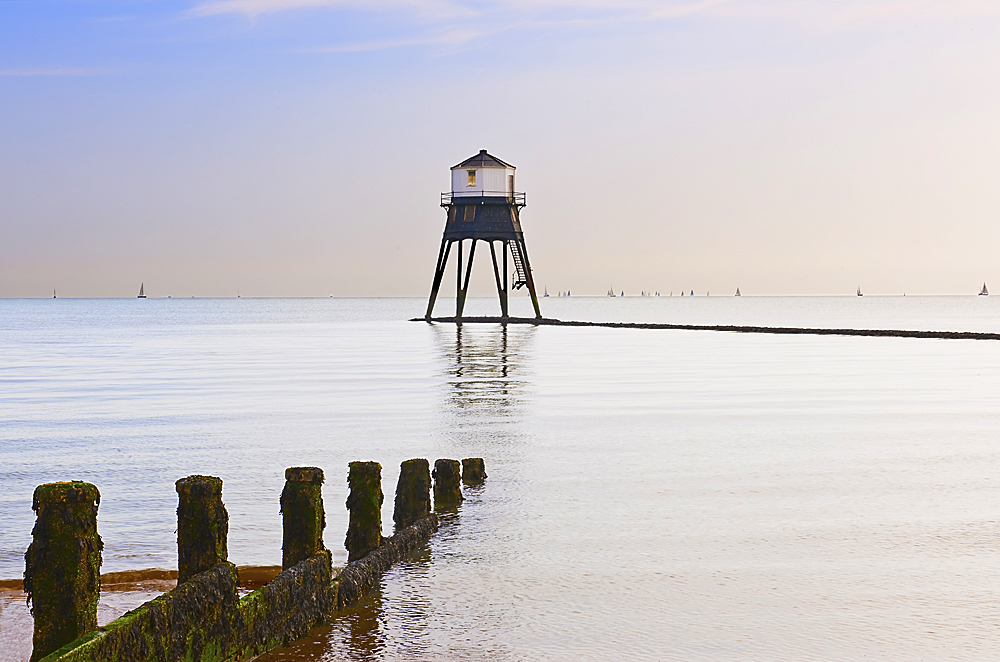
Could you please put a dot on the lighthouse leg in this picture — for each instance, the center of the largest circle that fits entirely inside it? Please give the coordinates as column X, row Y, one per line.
column 531, row 279
column 438, row 275
column 506, row 278
column 501, row 287
column 463, row 290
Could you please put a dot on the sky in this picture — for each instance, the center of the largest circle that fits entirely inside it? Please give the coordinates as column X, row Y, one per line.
column 299, row 147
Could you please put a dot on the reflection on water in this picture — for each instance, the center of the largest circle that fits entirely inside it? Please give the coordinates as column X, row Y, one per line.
column 694, row 496
column 485, row 370
column 389, row 623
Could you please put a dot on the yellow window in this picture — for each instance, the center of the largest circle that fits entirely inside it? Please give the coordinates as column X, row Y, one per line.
column 472, row 177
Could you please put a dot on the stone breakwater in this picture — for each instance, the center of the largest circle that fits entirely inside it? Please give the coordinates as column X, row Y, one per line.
column 203, row 619
column 778, row 330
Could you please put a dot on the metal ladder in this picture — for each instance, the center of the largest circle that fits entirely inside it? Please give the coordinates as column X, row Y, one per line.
column 522, row 275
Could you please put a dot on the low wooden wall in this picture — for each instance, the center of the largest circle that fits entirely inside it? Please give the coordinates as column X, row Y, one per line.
column 203, row 620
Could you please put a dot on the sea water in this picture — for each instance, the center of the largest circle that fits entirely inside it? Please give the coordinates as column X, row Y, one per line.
column 652, row 494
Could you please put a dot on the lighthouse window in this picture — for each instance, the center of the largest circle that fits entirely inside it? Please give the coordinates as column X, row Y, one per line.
column 472, row 177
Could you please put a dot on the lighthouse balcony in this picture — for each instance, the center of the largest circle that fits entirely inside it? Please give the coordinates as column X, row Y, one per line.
column 483, row 197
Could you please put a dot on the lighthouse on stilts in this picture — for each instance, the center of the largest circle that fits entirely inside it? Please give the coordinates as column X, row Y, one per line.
column 483, row 206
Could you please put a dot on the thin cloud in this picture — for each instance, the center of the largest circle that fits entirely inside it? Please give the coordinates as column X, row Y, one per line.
column 456, row 38
column 688, row 9
column 816, row 12
column 857, row 14
column 258, row 7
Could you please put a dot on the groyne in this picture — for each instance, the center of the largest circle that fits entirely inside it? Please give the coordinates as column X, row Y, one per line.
column 204, row 619
column 778, row 330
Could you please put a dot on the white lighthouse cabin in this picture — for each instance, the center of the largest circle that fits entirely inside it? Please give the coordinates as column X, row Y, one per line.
column 482, row 176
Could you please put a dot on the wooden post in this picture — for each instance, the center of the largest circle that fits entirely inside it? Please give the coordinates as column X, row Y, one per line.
column 413, row 493
column 473, row 470
column 447, row 484
column 364, row 532
column 202, row 526
column 302, row 516
column 62, row 567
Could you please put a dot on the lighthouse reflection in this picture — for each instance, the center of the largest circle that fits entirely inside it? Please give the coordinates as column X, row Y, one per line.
column 486, row 371
column 484, row 377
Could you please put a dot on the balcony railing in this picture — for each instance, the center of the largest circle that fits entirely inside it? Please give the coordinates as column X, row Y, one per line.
column 447, row 199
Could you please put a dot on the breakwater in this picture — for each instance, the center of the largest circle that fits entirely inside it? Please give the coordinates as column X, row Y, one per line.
column 204, row 619
column 778, row 330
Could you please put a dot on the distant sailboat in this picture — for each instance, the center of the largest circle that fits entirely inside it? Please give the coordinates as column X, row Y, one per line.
column 984, row 292
column 859, row 292
column 53, row 294
column 142, row 295
column 237, row 294
column 611, row 292
column 546, row 291
column 738, row 292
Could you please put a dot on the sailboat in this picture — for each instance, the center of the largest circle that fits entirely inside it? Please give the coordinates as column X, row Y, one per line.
column 611, row 292
column 53, row 294
column 546, row 291
column 859, row 292
column 984, row 292
column 738, row 292
column 142, row 295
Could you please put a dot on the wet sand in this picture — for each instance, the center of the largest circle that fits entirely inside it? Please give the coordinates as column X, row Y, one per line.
column 120, row 592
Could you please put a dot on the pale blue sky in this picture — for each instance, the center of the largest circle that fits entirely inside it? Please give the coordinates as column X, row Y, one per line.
column 297, row 147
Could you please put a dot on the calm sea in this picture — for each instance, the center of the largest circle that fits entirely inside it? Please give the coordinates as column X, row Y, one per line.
column 652, row 494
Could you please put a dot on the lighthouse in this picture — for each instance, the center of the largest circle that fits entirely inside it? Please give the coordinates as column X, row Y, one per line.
column 483, row 206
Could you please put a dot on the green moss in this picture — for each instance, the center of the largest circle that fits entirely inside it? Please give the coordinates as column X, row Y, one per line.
column 62, row 573
column 303, row 518
column 473, row 470
column 202, row 526
column 413, row 493
column 198, row 622
column 364, row 531
column 447, row 484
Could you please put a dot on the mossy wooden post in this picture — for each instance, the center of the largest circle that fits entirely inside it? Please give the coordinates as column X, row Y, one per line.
column 202, row 526
column 473, row 470
column 413, row 493
column 364, row 532
column 302, row 516
column 62, row 567
column 447, row 484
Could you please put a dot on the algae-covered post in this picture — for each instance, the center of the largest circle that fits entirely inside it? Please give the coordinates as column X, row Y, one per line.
column 62, row 567
column 202, row 526
column 364, row 532
column 473, row 470
column 302, row 515
column 413, row 493
column 447, row 484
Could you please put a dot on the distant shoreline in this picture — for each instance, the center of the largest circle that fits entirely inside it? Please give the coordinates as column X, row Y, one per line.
column 777, row 330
